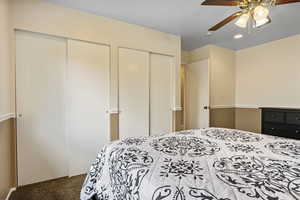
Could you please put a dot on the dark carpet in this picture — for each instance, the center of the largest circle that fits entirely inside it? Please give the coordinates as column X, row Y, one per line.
column 59, row 189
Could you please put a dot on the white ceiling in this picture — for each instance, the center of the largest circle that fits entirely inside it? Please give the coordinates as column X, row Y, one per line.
column 191, row 21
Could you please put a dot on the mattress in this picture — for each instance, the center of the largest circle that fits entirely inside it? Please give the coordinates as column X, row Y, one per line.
column 202, row 164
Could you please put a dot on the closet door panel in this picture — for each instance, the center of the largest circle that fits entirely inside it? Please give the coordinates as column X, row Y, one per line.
column 133, row 93
column 41, row 149
column 88, row 102
column 160, row 93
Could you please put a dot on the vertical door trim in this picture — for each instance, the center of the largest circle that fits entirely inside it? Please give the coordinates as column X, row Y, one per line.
column 209, row 92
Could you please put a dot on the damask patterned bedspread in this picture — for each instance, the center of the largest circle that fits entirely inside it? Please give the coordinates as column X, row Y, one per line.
column 204, row 164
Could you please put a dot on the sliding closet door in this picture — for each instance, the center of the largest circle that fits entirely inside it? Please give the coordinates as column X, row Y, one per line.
column 41, row 150
column 133, row 93
column 88, row 103
column 160, row 93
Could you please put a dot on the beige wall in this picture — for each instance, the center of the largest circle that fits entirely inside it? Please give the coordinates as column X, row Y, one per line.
column 6, row 89
column 222, row 82
column 248, row 119
column 199, row 54
column 7, row 136
column 222, row 117
column 7, row 155
column 222, row 75
column 269, row 75
column 114, row 127
column 185, row 57
column 43, row 17
column 266, row 76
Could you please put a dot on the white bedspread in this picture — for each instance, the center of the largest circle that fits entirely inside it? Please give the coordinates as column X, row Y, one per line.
column 204, row 164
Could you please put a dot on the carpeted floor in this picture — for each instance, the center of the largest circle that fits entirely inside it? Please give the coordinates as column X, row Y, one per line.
column 59, row 189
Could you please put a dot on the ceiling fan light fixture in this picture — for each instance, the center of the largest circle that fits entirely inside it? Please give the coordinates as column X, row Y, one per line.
column 238, row 36
column 262, row 22
column 260, row 13
column 243, row 20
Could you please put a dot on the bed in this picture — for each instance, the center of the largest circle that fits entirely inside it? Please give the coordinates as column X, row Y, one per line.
column 202, row 164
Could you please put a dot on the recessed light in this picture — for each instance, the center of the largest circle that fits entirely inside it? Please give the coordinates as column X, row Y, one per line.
column 238, row 36
column 209, row 33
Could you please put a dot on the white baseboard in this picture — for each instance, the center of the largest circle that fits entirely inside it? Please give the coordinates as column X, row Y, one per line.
column 10, row 192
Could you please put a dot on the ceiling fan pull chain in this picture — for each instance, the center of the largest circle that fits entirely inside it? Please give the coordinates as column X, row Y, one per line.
column 249, row 25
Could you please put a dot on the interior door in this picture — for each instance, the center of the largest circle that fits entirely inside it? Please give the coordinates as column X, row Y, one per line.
column 41, row 149
column 133, row 93
column 88, row 103
column 160, row 93
column 197, row 95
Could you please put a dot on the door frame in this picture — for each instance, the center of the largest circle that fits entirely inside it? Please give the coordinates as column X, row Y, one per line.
column 209, row 91
column 17, row 73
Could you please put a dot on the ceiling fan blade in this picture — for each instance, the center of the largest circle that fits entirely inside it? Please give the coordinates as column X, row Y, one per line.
column 281, row 2
column 226, row 21
column 221, row 3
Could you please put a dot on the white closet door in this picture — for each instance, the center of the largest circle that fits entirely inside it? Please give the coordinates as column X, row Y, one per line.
column 88, row 101
column 133, row 93
column 41, row 149
column 197, row 94
column 160, row 93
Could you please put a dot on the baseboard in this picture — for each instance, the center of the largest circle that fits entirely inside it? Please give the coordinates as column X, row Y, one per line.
column 9, row 193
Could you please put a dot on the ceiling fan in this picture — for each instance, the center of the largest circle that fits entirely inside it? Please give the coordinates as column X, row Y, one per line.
column 254, row 13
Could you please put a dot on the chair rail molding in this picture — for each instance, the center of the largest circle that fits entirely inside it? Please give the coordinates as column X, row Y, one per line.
column 114, row 111
column 10, row 192
column 222, row 106
column 7, row 116
column 177, row 109
column 247, row 106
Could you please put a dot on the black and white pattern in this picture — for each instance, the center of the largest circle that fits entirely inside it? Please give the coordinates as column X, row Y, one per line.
column 102, row 194
column 95, row 173
column 231, row 135
column 204, row 164
column 260, row 177
column 285, row 148
column 127, row 168
column 244, row 148
column 133, row 141
column 181, row 168
column 169, row 192
column 184, row 145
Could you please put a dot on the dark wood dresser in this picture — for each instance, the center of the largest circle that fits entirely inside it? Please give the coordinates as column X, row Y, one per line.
column 281, row 122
